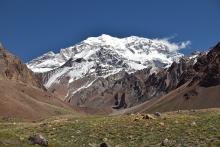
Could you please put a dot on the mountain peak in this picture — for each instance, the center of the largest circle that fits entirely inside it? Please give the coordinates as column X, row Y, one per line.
column 97, row 62
column 105, row 36
column 103, row 39
column 129, row 53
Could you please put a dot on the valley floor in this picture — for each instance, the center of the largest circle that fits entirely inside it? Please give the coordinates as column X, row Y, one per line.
column 184, row 128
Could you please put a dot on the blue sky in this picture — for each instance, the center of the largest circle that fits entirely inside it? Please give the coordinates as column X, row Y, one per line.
column 29, row 28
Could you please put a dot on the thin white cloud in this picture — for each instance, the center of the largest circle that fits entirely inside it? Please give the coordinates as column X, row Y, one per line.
column 173, row 46
column 185, row 44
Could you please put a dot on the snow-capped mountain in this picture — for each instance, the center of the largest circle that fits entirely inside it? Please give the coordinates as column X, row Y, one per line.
column 79, row 67
column 133, row 53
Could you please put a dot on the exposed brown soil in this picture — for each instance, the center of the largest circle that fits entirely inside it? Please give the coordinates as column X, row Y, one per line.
column 22, row 101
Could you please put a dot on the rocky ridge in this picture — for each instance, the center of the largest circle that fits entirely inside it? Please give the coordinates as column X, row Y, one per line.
column 11, row 68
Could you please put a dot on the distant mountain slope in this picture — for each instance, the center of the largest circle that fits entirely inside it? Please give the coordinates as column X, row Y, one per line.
column 86, row 74
column 25, row 102
column 201, row 88
column 22, row 96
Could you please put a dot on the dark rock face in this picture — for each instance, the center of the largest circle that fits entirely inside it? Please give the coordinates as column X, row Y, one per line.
column 120, row 104
column 204, row 69
column 164, row 81
column 12, row 68
column 70, row 62
column 209, row 67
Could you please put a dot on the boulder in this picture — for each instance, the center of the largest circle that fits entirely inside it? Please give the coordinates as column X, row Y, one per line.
column 157, row 114
column 103, row 145
column 165, row 142
column 37, row 139
column 148, row 116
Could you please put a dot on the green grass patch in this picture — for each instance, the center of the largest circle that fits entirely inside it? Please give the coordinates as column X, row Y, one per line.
column 183, row 129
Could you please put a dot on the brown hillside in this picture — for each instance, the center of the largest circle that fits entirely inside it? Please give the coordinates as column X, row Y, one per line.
column 22, row 96
column 22, row 101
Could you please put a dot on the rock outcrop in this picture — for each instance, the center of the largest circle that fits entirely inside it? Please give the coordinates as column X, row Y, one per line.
column 208, row 68
column 12, row 68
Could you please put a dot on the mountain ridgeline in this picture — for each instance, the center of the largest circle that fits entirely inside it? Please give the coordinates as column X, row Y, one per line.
column 106, row 74
column 11, row 68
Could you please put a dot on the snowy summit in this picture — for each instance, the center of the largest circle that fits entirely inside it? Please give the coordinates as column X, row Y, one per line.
column 106, row 55
column 132, row 49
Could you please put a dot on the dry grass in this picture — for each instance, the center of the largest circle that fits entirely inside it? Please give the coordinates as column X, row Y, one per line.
column 200, row 128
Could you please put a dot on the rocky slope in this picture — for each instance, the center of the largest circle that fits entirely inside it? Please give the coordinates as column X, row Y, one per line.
column 195, row 87
column 11, row 68
column 105, row 72
column 22, row 96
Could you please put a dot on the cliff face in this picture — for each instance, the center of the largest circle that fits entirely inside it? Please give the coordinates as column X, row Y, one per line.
column 203, row 68
column 208, row 68
column 12, row 68
column 169, row 79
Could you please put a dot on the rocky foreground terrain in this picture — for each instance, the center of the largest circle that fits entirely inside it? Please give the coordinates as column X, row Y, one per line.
column 178, row 129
